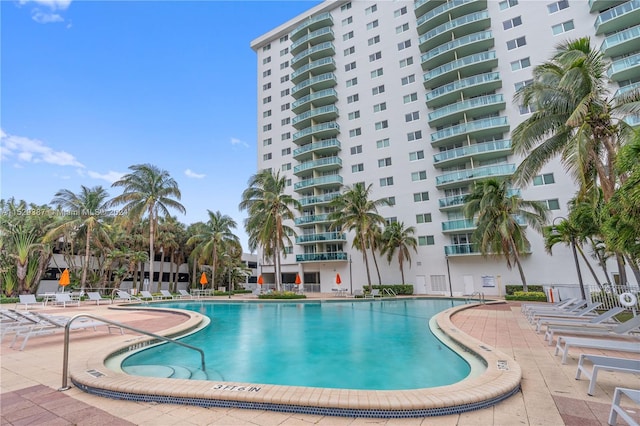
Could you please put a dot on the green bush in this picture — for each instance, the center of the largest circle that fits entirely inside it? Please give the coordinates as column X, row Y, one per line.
column 282, row 295
column 404, row 289
column 4, row 300
column 529, row 296
column 510, row 289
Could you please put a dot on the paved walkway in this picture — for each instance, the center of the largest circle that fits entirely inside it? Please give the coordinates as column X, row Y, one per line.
column 550, row 394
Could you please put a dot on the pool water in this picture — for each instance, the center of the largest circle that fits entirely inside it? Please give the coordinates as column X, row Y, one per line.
column 369, row 345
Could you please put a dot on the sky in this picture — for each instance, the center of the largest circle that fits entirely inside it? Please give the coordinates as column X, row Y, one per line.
column 89, row 88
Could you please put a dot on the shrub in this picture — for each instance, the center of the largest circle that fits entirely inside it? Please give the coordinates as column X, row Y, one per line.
column 510, row 289
column 530, row 296
column 405, row 289
column 282, row 295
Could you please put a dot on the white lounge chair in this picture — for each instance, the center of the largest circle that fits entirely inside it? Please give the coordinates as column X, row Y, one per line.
column 599, row 319
column 184, row 294
column 28, row 300
column 582, row 312
column 166, row 294
column 126, row 297
column 566, row 310
column 64, row 299
column 595, row 330
column 374, row 293
column 616, row 409
column 567, row 342
column 144, row 294
column 94, row 296
column 525, row 307
column 605, row 363
column 357, row 293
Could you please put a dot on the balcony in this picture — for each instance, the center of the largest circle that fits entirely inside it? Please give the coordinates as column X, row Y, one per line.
column 319, row 131
column 456, row 179
column 463, row 46
column 480, row 151
column 420, row 7
column 464, row 88
column 318, row 67
column 452, row 202
column 619, row 17
column 316, row 52
column 458, row 225
column 625, row 68
column 329, row 112
column 468, row 24
column 481, row 105
column 320, row 165
column 463, row 67
column 317, row 83
column 600, row 5
column 311, row 219
column 461, row 249
column 318, row 199
column 447, row 11
column 622, row 42
column 321, row 98
column 471, row 129
column 321, row 257
column 323, row 237
column 626, row 89
column 632, row 120
column 323, row 147
column 319, row 182
column 318, row 36
column 311, row 24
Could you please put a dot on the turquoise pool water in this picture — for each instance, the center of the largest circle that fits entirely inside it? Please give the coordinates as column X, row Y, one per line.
column 369, row 345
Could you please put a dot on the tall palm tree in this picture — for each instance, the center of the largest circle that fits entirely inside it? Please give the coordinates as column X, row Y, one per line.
column 150, row 191
column 269, row 207
column 84, row 214
column 499, row 221
column 398, row 237
column 217, row 234
column 355, row 211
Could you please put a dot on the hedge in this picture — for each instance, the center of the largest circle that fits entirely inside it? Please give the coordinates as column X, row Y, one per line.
column 510, row 289
column 530, row 296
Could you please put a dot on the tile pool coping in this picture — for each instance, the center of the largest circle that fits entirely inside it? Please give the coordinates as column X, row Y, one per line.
column 500, row 380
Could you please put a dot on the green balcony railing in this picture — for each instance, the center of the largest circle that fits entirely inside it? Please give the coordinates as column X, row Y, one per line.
column 314, row 80
column 478, row 148
column 454, row 44
column 327, row 45
column 628, row 88
column 327, row 161
column 458, row 224
column 463, row 83
column 314, row 113
column 324, row 180
column 477, row 173
column 306, row 220
column 314, row 96
column 323, row 144
column 321, row 257
column 624, row 64
column 453, row 201
column 325, row 236
column 318, row 199
column 466, row 105
column 311, row 65
column 443, row 8
column 331, row 125
column 616, row 12
column 458, row 249
column 461, row 129
column 448, row 26
column 295, row 34
column 620, row 37
column 317, row 33
column 460, row 63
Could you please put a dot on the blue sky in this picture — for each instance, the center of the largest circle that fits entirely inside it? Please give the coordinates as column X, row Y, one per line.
column 89, row 88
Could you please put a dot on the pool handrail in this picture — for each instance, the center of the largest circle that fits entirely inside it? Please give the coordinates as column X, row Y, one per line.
column 67, row 327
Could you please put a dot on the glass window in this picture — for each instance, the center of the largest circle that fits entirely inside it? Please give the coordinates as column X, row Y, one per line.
column 563, row 27
column 373, row 24
column 356, row 149
column 404, row 45
column 355, row 132
column 347, row 36
column 520, row 64
column 426, row 240
column 421, row 175
column 410, row 98
column 384, row 162
column 377, row 73
column 402, row 28
column 512, row 23
column 357, row 168
column 375, row 56
column 517, row 42
column 387, row 181
column 382, row 125
column 382, row 143
column 544, row 179
column 352, row 82
column 406, row 62
column 421, row 196
column 378, row 90
column 373, row 40
column 412, row 116
column 417, row 155
column 400, row 12
column 507, row 4
column 557, row 6
column 423, row 218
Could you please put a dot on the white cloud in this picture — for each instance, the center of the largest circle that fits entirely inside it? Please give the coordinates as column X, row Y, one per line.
column 44, row 11
column 45, row 18
column 26, row 150
column 192, row 174
column 236, row 141
column 51, row 4
column 110, row 176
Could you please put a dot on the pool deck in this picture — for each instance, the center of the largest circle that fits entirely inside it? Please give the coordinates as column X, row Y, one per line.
column 549, row 393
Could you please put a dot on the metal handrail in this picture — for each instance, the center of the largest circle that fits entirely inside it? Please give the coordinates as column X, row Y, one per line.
column 389, row 291
column 480, row 297
column 67, row 327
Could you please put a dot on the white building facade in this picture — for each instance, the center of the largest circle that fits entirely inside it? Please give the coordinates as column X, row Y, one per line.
column 416, row 98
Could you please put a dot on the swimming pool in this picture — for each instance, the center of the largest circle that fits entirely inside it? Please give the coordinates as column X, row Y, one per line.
column 368, row 345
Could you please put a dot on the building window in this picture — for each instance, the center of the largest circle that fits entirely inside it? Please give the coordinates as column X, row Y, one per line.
column 406, row 62
column 284, row 78
column 519, row 85
column 552, row 204
column 391, row 201
column 356, row 149
column 562, row 28
column 402, row 28
column 267, row 47
column 266, row 127
column 426, row 240
column 375, row 56
column 284, row 92
column 285, row 121
column 545, row 179
column 557, row 6
column 284, row 65
column 284, row 38
column 345, row 7
column 266, row 113
column 353, row 115
column 400, row 12
column 266, row 60
column 349, row 51
column 384, row 162
column 285, row 136
column 357, row 168
column 417, row 155
column 287, row 182
column 266, row 157
column 507, row 4
column 352, row 82
column 412, row 116
column 382, row 125
column 389, row 220
column 347, row 21
column 377, row 73
column 371, row 9
column 528, row 109
column 266, row 73
column 353, row 98
column 266, row 86
column 347, row 36
column 414, row 136
column 516, row 42
column 421, row 175
column 266, row 142
column 380, row 107
column 423, row 218
column 512, row 23
column 404, row 45
column 355, row 132
column 284, row 51
column 286, row 166
column 378, row 90
column 420, row 196
column 382, row 143
column 408, row 79
column 520, row 64
column 266, row 100
column 285, row 107
column 373, row 40
column 286, row 151
column 387, row 181
column 373, row 24
column 351, row 66
column 410, row 98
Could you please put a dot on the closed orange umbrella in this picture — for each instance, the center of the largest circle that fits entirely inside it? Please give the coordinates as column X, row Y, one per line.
column 298, row 280
column 203, row 279
column 260, row 280
column 64, row 279
column 338, row 280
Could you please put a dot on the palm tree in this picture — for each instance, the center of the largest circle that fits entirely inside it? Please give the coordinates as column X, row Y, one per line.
column 500, row 220
column 215, row 236
column 355, row 211
column 84, row 214
column 565, row 232
column 397, row 237
column 268, row 208
column 149, row 191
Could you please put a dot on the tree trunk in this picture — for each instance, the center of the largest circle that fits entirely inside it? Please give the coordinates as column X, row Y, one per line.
column 161, row 271
column 517, row 259
column 593, row 272
column 363, row 248
column 634, row 269
column 621, row 269
column 152, row 253
column 87, row 246
column 172, row 275
column 375, row 263
column 575, row 259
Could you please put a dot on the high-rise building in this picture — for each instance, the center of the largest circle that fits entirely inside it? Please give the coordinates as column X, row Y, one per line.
column 416, row 99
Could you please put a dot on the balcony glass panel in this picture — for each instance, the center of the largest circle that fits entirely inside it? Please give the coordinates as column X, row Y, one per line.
column 326, row 144
column 321, row 237
column 317, row 48
column 440, row 10
column 296, row 33
column 632, row 120
column 480, row 172
column 326, row 31
column 454, row 201
column 329, row 126
column 321, row 257
column 615, row 12
column 619, row 38
column 324, row 180
column 458, row 224
column 466, row 105
column 315, row 112
column 305, row 220
column 461, row 129
column 319, row 199
column 451, row 25
column 327, row 77
column 620, row 69
column 472, row 150
column 330, row 94
column 455, row 86
column 312, row 65
column 459, row 249
column 452, row 45
column 328, row 161
column 628, row 88
column 462, row 62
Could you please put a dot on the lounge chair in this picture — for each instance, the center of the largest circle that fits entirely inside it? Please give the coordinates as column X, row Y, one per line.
column 582, row 312
column 569, row 309
column 184, row 294
column 166, row 294
column 595, row 330
column 14, row 321
column 144, row 294
column 64, row 299
column 126, row 297
column 616, row 409
column 595, row 343
column 544, row 305
column 28, row 300
column 599, row 319
column 94, row 296
column 374, row 293
column 605, row 363
column 357, row 293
